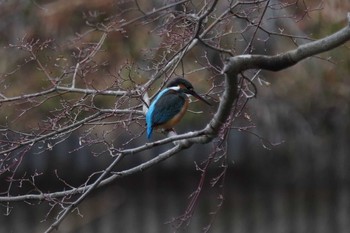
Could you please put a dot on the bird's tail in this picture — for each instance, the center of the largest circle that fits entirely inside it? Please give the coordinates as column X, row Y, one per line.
column 149, row 132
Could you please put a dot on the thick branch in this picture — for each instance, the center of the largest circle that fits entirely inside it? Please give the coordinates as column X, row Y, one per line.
column 233, row 67
column 282, row 61
column 236, row 65
column 117, row 175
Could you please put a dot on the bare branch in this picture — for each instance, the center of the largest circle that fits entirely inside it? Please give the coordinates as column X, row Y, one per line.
column 71, row 207
column 73, row 100
column 239, row 63
column 278, row 62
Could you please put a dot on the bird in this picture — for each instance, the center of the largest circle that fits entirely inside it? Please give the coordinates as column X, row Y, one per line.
column 170, row 105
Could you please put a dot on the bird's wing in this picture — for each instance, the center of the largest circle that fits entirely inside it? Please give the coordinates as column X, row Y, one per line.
column 167, row 107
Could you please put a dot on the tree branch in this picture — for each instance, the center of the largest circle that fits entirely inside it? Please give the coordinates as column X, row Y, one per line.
column 282, row 61
column 238, row 64
column 232, row 68
column 120, row 174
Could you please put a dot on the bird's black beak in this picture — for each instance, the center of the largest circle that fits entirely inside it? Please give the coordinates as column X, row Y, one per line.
column 193, row 93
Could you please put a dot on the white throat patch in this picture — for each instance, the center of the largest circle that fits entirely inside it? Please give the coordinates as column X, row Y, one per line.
column 176, row 88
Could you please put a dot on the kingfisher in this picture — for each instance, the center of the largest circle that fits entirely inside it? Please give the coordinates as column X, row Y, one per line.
column 170, row 105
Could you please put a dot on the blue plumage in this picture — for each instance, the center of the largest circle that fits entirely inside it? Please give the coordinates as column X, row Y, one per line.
column 167, row 104
column 170, row 105
column 150, row 111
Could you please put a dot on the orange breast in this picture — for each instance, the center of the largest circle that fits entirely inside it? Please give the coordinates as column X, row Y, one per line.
column 173, row 121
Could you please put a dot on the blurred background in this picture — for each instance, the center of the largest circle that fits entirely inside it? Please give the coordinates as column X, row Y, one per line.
column 295, row 177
